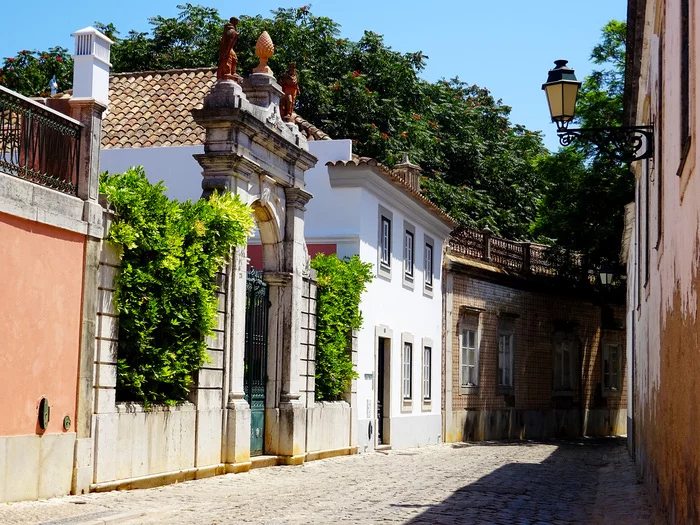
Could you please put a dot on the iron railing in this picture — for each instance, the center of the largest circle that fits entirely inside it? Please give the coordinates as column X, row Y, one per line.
column 38, row 144
column 520, row 257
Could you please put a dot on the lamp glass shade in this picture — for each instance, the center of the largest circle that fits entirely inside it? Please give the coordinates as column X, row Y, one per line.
column 561, row 89
column 606, row 277
column 561, row 97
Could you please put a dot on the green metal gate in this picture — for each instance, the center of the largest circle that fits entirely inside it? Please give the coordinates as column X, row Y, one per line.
column 257, row 305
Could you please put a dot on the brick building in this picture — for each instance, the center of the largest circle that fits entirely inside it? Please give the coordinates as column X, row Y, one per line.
column 527, row 355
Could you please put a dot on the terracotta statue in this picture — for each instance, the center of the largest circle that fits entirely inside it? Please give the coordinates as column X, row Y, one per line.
column 290, row 85
column 227, row 56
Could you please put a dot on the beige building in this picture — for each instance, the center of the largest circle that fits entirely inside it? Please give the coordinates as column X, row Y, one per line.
column 528, row 355
column 662, row 250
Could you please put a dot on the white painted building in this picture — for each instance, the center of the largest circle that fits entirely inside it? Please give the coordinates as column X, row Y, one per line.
column 364, row 208
column 358, row 207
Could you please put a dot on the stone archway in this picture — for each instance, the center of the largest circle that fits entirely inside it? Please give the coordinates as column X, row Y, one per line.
column 250, row 151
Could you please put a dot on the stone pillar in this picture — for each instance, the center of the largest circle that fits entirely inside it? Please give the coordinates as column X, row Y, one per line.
column 237, row 436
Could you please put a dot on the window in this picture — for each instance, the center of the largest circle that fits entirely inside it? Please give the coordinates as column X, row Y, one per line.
column 428, row 268
column 612, row 356
column 564, row 359
column 685, row 81
column 427, row 355
column 469, row 353
column 385, row 242
column 505, row 352
column 408, row 254
column 407, row 362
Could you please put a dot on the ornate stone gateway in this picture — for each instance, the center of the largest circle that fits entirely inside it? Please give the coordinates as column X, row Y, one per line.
column 251, row 152
column 254, row 382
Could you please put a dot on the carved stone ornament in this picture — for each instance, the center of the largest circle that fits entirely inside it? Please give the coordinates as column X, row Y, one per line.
column 264, row 49
column 227, row 56
column 274, row 119
column 289, row 82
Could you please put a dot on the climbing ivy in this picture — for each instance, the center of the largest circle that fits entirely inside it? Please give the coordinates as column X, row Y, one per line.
column 340, row 285
column 166, row 290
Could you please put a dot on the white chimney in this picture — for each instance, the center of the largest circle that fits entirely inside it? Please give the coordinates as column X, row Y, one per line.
column 91, row 65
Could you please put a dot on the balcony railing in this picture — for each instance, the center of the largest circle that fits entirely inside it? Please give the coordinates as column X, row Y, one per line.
column 519, row 257
column 38, row 144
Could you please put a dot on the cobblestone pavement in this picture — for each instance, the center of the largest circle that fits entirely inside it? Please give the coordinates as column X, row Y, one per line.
column 499, row 483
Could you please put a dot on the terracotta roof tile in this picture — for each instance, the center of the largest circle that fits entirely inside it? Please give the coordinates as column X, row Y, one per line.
column 397, row 181
column 153, row 108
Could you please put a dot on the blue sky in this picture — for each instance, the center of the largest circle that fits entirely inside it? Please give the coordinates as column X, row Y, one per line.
column 506, row 46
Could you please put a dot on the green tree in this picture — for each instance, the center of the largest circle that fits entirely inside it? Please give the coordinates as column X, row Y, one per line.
column 166, row 290
column 582, row 209
column 340, row 286
column 478, row 166
column 30, row 72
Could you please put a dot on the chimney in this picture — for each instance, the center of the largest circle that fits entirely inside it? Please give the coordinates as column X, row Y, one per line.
column 91, row 65
column 409, row 173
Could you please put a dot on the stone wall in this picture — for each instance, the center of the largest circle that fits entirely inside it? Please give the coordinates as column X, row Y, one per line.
column 134, row 447
column 532, row 408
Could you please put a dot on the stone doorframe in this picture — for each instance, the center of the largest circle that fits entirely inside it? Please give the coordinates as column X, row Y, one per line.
column 252, row 153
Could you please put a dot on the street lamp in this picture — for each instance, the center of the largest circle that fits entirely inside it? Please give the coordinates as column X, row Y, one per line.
column 606, row 274
column 623, row 143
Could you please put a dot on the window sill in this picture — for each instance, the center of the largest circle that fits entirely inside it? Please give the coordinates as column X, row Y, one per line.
column 563, row 393
column 408, row 282
column 612, row 393
column 428, row 290
column 406, row 406
column 504, row 390
column 427, row 405
column 384, row 271
column 469, row 390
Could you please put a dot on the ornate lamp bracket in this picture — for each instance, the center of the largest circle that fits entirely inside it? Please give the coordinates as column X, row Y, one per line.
column 624, row 143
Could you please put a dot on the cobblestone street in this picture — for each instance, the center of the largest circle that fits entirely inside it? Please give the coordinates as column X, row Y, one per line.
column 501, row 483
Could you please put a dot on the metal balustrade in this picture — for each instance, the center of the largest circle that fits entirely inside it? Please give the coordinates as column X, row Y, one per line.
column 38, row 144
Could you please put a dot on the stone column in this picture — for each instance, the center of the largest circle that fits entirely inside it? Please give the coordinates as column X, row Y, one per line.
column 292, row 431
column 237, row 438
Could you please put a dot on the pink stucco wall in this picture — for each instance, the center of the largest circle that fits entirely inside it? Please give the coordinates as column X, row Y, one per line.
column 664, row 301
column 41, row 282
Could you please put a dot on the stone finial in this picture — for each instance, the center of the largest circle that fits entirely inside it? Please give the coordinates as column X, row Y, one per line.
column 264, row 49
column 290, row 86
column 409, row 172
column 228, row 60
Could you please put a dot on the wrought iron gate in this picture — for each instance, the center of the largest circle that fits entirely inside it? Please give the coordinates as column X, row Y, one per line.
column 257, row 305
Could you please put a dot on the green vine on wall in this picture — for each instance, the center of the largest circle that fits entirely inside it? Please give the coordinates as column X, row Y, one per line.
column 340, row 285
column 166, row 290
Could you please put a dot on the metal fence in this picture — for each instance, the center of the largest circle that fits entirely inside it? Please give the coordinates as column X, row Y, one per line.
column 520, row 257
column 38, row 144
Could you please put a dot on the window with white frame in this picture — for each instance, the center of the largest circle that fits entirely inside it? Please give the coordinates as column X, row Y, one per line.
column 469, row 352
column 428, row 266
column 612, row 366
column 407, row 364
column 385, row 241
column 506, row 335
column 427, row 357
column 564, row 359
column 408, row 249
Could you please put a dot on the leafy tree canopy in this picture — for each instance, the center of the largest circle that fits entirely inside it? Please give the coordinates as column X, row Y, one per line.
column 478, row 165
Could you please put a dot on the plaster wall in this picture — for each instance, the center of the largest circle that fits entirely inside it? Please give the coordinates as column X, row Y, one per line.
column 405, row 311
column 173, row 165
column 328, row 426
column 40, row 316
column 664, row 283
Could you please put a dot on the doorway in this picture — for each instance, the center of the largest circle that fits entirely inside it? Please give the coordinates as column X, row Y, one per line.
column 383, row 390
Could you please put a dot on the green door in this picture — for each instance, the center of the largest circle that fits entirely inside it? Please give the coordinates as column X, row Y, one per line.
column 257, row 304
